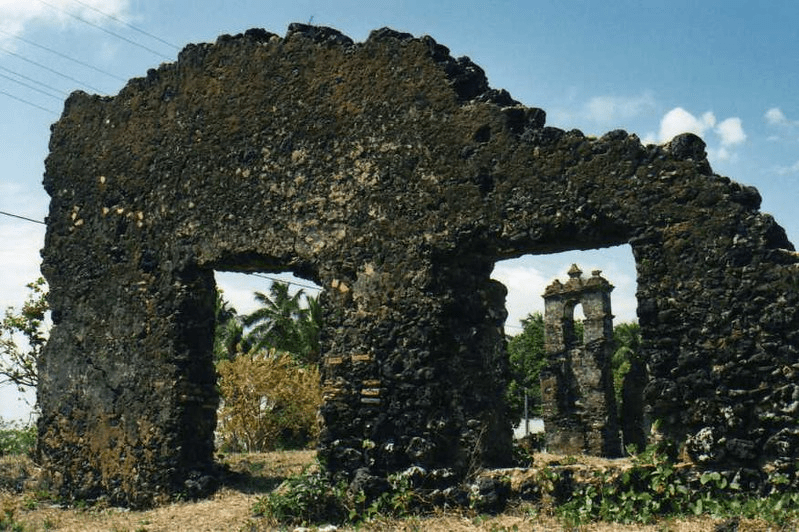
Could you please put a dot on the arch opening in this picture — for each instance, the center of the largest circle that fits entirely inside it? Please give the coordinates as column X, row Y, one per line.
column 527, row 276
column 267, row 356
column 526, row 279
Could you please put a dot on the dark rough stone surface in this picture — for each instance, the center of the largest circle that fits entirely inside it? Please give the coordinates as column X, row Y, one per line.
column 634, row 423
column 392, row 175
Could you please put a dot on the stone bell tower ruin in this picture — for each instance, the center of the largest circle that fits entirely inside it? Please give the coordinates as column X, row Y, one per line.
column 579, row 406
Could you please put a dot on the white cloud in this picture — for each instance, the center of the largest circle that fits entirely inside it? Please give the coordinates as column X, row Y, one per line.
column 775, row 117
column 615, row 110
column 239, row 288
column 525, row 285
column 787, row 170
column 649, row 138
column 20, row 258
column 786, row 128
column 19, row 261
column 527, row 277
column 16, row 16
column 731, row 131
column 602, row 112
column 720, row 154
column 678, row 121
column 16, row 406
column 727, row 133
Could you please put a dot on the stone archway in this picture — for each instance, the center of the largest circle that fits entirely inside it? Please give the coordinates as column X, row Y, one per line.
column 392, row 175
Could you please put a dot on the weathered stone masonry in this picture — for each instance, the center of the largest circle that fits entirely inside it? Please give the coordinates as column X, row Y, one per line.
column 579, row 405
column 392, row 175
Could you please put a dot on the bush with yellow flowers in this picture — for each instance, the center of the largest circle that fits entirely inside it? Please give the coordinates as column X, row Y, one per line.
column 269, row 401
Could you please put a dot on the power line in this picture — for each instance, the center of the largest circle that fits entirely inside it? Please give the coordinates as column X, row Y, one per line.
column 59, row 54
column 54, row 89
column 31, row 87
column 22, row 217
column 56, row 72
column 131, row 26
column 273, row 279
column 67, row 57
column 106, row 30
column 32, row 105
column 276, row 280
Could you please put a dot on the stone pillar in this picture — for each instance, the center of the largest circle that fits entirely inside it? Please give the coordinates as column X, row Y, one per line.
column 414, row 373
column 127, row 387
column 576, row 383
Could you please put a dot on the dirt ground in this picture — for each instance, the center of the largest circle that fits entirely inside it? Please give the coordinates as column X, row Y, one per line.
column 230, row 508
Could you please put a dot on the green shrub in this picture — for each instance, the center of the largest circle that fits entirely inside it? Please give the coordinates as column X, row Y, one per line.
column 312, row 498
column 305, row 499
column 16, row 438
column 269, row 402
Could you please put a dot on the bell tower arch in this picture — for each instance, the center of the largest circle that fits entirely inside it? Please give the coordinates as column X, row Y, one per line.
column 576, row 384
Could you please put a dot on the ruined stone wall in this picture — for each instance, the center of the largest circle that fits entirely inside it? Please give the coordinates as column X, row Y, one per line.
column 393, row 176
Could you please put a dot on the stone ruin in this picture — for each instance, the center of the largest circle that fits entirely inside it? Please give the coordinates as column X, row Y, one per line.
column 392, row 175
column 579, row 404
column 578, row 396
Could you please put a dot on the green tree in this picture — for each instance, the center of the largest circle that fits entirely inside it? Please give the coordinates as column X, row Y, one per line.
column 526, row 356
column 629, row 380
column 229, row 337
column 627, row 337
column 22, row 337
column 284, row 324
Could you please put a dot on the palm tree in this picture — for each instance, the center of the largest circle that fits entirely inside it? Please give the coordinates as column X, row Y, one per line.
column 309, row 331
column 283, row 324
column 229, row 339
column 628, row 338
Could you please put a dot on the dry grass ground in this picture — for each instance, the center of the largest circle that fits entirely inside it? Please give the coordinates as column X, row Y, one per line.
column 230, row 508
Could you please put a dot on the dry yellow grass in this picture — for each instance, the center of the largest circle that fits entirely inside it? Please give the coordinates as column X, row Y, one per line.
column 230, row 508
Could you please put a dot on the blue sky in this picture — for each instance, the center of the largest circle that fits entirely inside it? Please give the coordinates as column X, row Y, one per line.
column 727, row 70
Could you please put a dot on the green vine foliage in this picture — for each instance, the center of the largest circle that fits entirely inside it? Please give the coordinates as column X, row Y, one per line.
column 312, row 498
column 656, row 488
column 653, row 489
column 305, row 499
